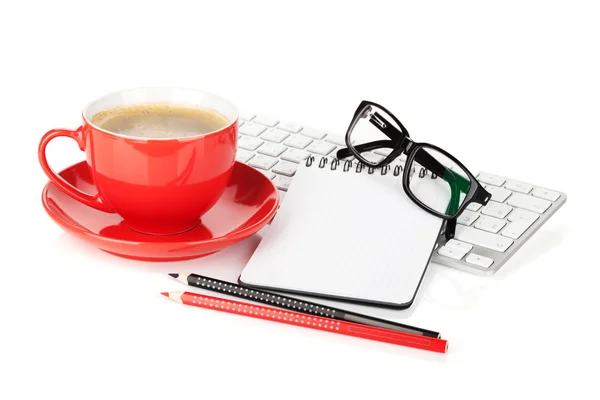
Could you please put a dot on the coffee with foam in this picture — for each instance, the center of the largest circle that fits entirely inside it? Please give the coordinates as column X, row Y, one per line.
column 159, row 121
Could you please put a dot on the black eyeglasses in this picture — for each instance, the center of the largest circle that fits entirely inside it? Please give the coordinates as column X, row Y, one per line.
column 432, row 178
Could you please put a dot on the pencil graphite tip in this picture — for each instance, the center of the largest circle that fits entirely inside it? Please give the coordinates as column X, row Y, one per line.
column 174, row 296
column 183, row 278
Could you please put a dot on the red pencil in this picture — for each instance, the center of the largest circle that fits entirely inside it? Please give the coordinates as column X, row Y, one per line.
column 309, row 321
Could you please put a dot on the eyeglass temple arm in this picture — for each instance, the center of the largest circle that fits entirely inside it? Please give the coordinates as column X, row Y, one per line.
column 452, row 208
column 450, row 229
column 457, row 181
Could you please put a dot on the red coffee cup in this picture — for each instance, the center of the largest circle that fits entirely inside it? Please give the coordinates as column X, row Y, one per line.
column 158, row 186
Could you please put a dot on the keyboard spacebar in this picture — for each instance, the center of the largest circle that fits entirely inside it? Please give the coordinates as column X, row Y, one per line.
column 482, row 238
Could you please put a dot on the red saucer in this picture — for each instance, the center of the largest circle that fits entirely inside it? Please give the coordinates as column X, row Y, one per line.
column 248, row 204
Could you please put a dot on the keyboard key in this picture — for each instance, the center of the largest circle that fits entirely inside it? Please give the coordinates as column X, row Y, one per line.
column 336, row 139
column 243, row 156
column 546, row 194
column 489, row 224
column 313, row 133
column 295, row 155
column 262, row 162
column 247, row 117
column 495, row 209
column 517, row 186
column 275, row 135
column 398, row 161
column 457, row 244
column 383, row 152
column 270, row 122
column 514, row 230
column 372, row 157
column 519, row 214
column 450, row 252
column 478, row 260
column 491, row 179
column 281, row 195
column 292, row 128
column 474, row 206
column 467, row 217
column 298, row 141
column 529, row 203
column 498, row 194
column 285, row 168
column 282, row 182
column 322, row 148
column 251, row 129
column 268, row 174
column 240, row 123
column 249, row 143
column 482, row 238
column 272, row 149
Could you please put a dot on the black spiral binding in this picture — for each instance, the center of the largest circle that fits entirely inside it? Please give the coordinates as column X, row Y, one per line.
column 359, row 167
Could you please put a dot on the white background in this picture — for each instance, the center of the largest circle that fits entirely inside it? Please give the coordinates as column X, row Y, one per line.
column 510, row 88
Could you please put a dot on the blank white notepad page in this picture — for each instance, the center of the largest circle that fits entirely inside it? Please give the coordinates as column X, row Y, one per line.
column 347, row 235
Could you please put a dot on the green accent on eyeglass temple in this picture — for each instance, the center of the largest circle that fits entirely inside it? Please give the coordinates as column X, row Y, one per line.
column 458, row 184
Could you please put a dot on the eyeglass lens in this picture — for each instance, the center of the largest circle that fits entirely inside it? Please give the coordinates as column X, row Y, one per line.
column 371, row 126
column 438, row 182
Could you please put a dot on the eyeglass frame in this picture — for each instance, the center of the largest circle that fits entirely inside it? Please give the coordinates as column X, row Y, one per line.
column 400, row 142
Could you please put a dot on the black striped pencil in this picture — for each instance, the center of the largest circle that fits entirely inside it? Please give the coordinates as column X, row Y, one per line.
column 294, row 304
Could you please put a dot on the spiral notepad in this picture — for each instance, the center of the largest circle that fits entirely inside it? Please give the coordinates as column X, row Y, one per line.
column 346, row 232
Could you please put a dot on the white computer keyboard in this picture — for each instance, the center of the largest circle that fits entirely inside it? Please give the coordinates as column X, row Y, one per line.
column 486, row 237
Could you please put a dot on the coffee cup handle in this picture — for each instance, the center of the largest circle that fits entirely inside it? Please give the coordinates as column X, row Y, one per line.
column 96, row 201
